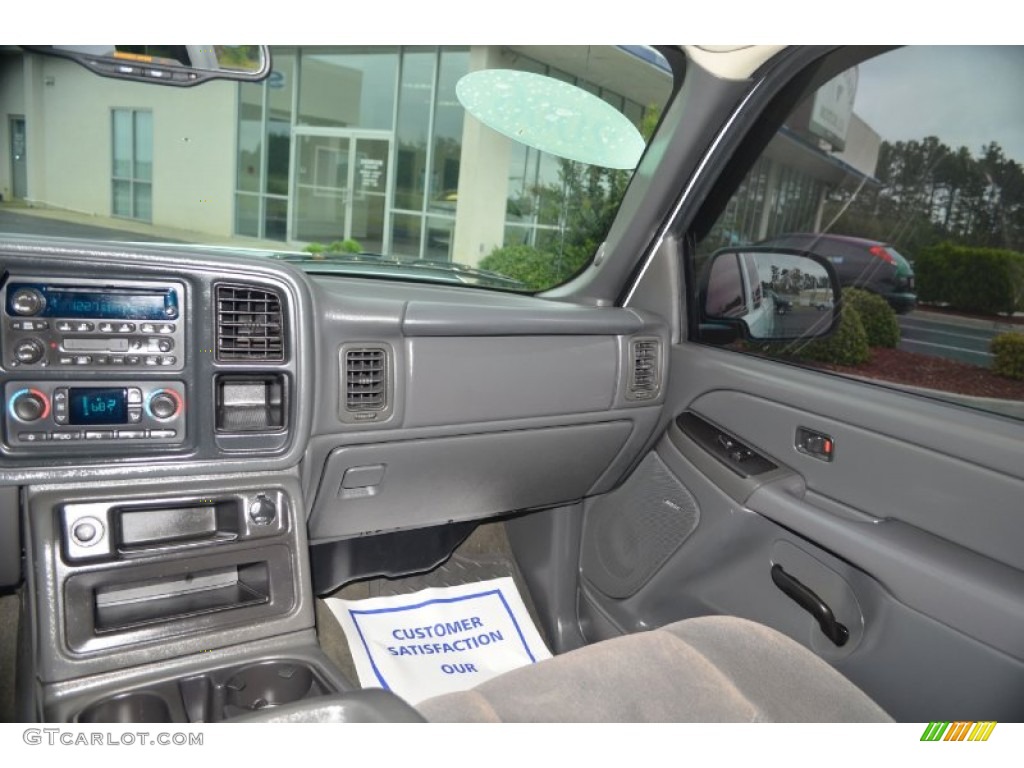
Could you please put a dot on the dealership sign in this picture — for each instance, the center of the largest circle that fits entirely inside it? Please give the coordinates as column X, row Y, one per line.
column 833, row 109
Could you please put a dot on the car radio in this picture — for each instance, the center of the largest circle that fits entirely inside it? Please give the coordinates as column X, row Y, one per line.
column 61, row 323
column 64, row 412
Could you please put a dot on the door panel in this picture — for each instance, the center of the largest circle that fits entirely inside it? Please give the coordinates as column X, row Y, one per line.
column 910, row 541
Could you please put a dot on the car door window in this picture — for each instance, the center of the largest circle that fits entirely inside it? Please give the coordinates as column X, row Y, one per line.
column 906, row 173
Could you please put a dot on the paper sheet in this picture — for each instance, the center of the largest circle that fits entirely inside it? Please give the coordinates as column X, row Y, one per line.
column 441, row 639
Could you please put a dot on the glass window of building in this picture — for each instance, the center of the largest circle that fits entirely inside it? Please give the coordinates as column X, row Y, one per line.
column 132, row 172
column 369, row 149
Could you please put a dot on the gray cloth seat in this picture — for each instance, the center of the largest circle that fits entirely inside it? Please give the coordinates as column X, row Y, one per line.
column 708, row 669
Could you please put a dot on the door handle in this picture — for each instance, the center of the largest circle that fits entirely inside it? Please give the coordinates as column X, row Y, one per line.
column 814, row 605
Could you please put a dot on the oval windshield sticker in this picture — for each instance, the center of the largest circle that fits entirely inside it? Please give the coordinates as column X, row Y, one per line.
column 552, row 116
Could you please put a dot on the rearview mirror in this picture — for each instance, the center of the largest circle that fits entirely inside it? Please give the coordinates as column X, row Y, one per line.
column 167, row 64
column 771, row 294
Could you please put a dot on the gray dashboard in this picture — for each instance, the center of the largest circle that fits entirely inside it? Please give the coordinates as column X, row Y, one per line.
column 194, row 442
column 490, row 402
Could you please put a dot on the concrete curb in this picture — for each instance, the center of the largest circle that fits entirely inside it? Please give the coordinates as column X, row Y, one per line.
column 966, row 322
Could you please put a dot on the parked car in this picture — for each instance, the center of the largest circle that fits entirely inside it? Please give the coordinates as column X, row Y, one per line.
column 860, row 263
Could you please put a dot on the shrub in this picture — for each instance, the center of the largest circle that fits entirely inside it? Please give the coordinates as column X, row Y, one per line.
column 531, row 266
column 847, row 345
column 1008, row 349
column 348, row 245
column 315, row 248
column 982, row 280
column 878, row 317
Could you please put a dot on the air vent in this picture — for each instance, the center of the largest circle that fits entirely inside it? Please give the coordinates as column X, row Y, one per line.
column 644, row 376
column 249, row 324
column 365, row 381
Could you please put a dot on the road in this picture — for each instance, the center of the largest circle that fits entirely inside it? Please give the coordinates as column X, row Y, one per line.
column 29, row 224
column 964, row 340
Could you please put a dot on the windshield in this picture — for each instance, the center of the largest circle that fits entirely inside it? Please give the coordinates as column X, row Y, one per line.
column 384, row 161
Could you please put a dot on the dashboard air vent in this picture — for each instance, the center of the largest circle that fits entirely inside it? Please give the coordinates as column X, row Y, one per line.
column 644, row 376
column 366, row 379
column 249, row 324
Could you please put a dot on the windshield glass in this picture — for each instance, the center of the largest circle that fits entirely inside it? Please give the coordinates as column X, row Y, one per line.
column 379, row 161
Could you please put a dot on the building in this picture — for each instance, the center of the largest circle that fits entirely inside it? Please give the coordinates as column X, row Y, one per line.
column 363, row 143
column 369, row 144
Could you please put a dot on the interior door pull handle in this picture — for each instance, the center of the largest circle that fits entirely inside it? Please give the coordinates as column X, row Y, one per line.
column 814, row 605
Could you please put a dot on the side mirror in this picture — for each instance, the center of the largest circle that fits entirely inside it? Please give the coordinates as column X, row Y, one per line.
column 167, row 64
column 770, row 294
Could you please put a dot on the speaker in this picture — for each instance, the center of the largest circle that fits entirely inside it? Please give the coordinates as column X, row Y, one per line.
column 630, row 533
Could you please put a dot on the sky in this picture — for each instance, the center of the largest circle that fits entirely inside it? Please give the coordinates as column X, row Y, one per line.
column 967, row 96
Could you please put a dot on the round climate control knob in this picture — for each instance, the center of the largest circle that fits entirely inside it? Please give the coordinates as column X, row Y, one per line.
column 27, row 301
column 164, row 404
column 29, row 405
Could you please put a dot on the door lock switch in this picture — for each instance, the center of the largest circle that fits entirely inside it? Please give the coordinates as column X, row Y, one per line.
column 815, row 444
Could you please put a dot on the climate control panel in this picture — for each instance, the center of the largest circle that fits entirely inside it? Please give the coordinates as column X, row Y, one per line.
column 75, row 412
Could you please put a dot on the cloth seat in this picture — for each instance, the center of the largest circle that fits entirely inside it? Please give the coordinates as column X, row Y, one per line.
column 707, row 669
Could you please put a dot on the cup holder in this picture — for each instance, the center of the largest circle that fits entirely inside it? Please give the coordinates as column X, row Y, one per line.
column 129, row 708
column 212, row 696
column 270, row 684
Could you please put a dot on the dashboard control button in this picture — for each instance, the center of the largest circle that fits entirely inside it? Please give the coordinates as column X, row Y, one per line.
column 165, row 328
column 33, row 437
column 99, row 434
column 83, row 327
column 147, row 328
column 117, row 359
column 163, row 433
column 66, row 360
column 165, row 345
column 87, row 531
column 63, row 325
column 65, row 436
column 168, row 360
column 262, row 511
column 106, row 328
column 83, row 359
column 134, row 415
column 60, row 406
column 102, row 359
column 29, row 351
column 132, row 359
column 126, row 328
column 151, row 360
column 27, row 301
column 130, row 434
column 134, row 396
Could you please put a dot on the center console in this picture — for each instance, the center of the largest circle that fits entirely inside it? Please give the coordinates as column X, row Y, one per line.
column 156, row 602
column 152, row 427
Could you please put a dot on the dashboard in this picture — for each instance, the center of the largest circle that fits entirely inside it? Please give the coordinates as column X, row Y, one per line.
column 398, row 405
column 196, row 442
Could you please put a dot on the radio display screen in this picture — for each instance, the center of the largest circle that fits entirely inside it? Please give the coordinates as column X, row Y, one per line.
column 95, row 405
column 113, row 304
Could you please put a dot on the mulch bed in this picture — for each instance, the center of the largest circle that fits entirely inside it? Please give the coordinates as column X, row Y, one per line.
column 917, row 370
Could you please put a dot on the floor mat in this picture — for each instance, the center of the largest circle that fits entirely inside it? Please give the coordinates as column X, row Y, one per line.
column 484, row 555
